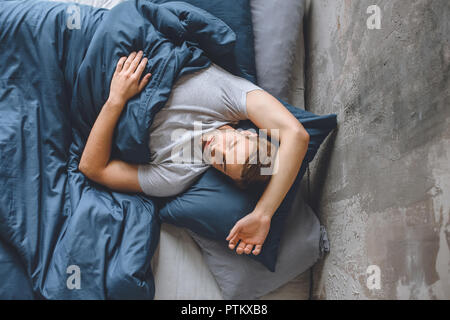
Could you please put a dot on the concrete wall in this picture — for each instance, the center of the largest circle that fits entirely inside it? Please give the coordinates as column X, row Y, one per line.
column 381, row 183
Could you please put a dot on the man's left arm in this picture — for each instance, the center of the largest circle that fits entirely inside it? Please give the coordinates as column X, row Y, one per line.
column 266, row 112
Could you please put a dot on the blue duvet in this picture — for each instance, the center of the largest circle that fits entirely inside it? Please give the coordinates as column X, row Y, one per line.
column 61, row 236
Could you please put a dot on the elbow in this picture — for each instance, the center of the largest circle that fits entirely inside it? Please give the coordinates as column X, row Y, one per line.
column 83, row 168
column 87, row 170
column 300, row 133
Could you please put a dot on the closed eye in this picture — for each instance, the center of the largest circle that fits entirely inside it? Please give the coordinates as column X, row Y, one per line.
column 224, row 163
column 232, row 145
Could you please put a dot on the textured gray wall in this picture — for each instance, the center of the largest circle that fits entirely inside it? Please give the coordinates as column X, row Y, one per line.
column 381, row 183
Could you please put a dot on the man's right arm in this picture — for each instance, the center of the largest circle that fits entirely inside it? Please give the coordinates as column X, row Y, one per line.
column 95, row 162
column 117, row 175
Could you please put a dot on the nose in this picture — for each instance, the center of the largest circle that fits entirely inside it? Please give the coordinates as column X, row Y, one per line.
column 218, row 150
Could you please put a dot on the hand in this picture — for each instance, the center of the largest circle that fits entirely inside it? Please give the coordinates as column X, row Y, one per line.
column 126, row 81
column 252, row 231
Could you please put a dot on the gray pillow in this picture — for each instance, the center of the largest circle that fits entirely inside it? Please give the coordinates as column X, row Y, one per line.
column 278, row 34
column 239, row 278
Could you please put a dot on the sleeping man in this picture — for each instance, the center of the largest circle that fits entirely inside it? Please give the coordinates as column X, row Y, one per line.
column 214, row 101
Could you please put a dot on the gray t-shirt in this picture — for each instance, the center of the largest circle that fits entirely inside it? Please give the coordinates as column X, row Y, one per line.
column 212, row 98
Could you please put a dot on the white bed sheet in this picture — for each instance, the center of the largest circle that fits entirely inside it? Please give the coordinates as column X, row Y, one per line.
column 181, row 274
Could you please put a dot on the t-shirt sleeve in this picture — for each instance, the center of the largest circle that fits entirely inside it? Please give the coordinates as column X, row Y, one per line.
column 235, row 91
column 155, row 179
column 147, row 178
column 162, row 180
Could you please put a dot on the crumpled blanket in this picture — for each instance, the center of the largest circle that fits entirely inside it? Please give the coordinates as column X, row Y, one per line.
column 61, row 235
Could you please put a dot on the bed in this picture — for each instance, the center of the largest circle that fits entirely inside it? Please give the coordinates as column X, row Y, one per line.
column 181, row 264
column 179, row 268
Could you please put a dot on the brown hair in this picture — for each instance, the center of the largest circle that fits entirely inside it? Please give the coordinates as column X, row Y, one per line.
column 251, row 175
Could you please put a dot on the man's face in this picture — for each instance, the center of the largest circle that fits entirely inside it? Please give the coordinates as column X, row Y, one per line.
column 227, row 150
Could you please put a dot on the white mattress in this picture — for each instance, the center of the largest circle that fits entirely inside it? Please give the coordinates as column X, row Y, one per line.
column 181, row 274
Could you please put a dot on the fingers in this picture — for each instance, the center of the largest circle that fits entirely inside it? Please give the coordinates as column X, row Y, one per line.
column 244, row 247
column 248, row 248
column 233, row 242
column 241, row 247
column 233, row 236
column 120, row 64
column 233, row 232
column 130, row 59
column 140, row 68
column 144, row 81
column 257, row 249
column 134, row 64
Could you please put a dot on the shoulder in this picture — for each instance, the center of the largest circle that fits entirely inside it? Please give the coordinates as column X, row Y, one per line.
column 168, row 179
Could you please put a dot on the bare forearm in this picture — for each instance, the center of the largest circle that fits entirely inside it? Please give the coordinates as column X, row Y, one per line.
column 290, row 155
column 97, row 152
column 265, row 111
